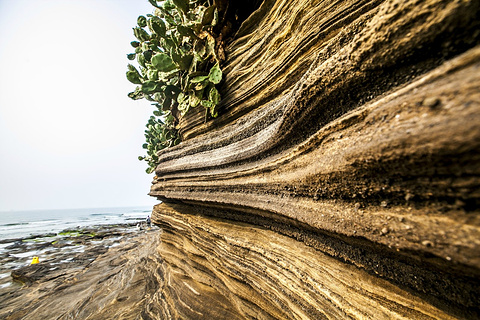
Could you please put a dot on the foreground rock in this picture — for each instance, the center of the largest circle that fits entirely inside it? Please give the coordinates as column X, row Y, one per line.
column 103, row 282
column 68, row 248
column 350, row 131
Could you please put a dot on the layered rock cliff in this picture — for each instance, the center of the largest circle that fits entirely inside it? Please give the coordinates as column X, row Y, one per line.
column 341, row 178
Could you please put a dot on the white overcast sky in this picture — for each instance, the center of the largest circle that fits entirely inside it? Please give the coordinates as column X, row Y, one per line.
column 69, row 135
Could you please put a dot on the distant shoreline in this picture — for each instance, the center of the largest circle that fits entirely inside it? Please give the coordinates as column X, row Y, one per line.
column 23, row 224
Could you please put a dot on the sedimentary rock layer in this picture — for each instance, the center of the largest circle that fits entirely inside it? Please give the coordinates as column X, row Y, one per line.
column 266, row 275
column 353, row 128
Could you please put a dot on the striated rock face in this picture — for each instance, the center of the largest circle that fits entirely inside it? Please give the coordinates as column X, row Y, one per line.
column 266, row 275
column 341, row 179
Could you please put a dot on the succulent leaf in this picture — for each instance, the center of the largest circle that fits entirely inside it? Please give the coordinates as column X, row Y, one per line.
column 158, row 96
column 141, row 34
column 148, row 55
column 184, row 107
column 136, row 95
column 148, row 97
column 149, row 87
column 207, row 17
column 170, row 44
column 152, row 75
column 170, row 20
column 202, row 85
column 199, row 94
column 142, row 21
column 172, row 91
column 207, row 104
column 131, row 68
column 134, row 77
column 210, row 46
column 185, row 61
column 181, row 97
column 186, row 32
column 168, row 5
column 215, row 17
column 158, row 26
column 141, row 60
column 153, row 3
column 215, row 75
column 162, row 62
column 182, row 5
column 194, row 100
column 150, row 170
column 198, row 79
column 214, row 96
column 213, row 112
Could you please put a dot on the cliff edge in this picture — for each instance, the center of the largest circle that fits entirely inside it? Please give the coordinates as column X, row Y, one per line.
column 341, row 178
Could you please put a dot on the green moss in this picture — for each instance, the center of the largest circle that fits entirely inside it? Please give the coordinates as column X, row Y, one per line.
column 32, row 240
column 70, row 233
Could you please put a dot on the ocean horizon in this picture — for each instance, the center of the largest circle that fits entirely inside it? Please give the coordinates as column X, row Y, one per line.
column 25, row 223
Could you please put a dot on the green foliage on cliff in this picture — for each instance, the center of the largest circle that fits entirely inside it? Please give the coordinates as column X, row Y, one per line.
column 178, row 67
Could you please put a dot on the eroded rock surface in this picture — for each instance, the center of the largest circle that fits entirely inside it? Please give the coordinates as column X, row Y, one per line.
column 266, row 275
column 116, row 282
column 349, row 134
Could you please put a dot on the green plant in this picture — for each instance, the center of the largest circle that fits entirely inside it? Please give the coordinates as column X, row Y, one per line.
column 179, row 66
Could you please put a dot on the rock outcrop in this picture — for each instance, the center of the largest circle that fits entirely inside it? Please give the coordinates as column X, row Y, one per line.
column 102, row 272
column 341, row 178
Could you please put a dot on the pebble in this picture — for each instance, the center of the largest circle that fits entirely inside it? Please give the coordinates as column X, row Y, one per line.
column 427, row 243
column 408, row 196
column 431, row 102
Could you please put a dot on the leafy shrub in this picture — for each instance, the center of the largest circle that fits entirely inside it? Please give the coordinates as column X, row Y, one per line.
column 179, row 64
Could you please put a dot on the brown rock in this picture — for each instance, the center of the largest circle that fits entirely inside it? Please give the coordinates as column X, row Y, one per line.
column 324, row 105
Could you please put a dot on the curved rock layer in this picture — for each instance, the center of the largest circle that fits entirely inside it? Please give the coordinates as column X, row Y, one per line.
column 265, row 275
column 351, row 127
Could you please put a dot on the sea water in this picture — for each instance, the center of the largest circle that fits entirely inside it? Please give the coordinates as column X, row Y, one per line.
column 21, row 224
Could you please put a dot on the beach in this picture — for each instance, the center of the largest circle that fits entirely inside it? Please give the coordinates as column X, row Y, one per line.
column 95, row 272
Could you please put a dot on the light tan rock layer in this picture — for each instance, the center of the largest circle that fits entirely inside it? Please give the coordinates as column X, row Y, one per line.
column 351, row 127
column 266, row 275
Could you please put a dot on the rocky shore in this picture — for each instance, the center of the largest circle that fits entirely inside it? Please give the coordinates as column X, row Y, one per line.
column 74, row 275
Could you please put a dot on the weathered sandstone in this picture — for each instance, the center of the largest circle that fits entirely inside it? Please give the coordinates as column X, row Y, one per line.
column 341, row 178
